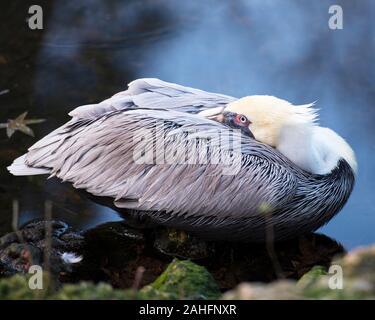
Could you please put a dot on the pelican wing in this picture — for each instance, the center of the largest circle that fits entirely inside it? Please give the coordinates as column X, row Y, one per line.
column 158, row 159
column 155, row 94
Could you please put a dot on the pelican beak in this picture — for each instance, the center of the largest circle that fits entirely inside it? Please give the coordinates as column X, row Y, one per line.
column 223, row 117
column 218, row 114
column 219, row 117
column 228, row 119
column 213, row 114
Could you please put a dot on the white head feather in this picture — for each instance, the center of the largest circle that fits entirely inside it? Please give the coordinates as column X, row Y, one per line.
column 293, row 130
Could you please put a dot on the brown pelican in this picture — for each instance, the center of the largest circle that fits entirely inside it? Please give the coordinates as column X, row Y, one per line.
column 262, row 160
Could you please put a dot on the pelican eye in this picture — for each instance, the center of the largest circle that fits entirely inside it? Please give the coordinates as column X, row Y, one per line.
column 240, row 118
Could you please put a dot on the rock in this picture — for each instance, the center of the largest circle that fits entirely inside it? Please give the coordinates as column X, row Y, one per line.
column 6, row 271
column 33, row 243
column 114, row 231
column 233, row 263
column 9, row 238
column 349, row 277
column 359, row 263
column 113, row 252
column 91, row 291
column 17, row 287
column 20, row 256
column 278, row 290
column 312, row 276
column 183, row 280
column 177, row 243
column 35, row 231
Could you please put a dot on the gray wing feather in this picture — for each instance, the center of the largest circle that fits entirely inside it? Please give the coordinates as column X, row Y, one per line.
column 99, row 151
column 154, row 94
column 101, row 156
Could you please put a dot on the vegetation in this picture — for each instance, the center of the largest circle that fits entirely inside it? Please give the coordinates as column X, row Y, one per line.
column 181, row 280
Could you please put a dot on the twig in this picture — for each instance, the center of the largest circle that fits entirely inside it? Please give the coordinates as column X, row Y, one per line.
column 138, row 278
column 48, row 237
column 270, row 246
column 15, row 219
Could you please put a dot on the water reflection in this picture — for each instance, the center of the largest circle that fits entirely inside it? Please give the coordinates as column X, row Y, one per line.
column 90, row 51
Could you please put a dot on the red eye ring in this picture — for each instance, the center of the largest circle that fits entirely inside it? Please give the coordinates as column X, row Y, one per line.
column 241, row 119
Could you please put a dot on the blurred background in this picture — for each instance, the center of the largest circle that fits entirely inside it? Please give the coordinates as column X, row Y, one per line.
column 87, row 51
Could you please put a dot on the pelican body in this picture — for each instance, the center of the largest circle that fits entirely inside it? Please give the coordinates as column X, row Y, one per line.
column 290, row 174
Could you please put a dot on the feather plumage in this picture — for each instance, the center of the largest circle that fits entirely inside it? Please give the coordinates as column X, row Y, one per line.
column 104, row 149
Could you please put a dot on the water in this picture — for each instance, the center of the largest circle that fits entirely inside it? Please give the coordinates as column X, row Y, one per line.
column 87, row 52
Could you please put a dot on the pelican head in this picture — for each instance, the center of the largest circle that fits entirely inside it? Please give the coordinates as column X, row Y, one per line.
column 266, row 116
column 292, row 129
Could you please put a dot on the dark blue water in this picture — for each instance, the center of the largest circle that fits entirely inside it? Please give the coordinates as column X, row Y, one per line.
column 86, row 53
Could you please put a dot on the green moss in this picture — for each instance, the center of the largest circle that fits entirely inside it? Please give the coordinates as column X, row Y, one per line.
column 181, row 280
column 91, row 291
column 358, row 281
column 17, row 288
column 312, row 276
column 185, row 280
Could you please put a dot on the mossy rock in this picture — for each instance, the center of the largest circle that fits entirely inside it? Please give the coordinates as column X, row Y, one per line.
column 358, row 277
column 184, row 280
column 181, row 280
column 178, row 243
column 17, row 288
column 355, row 271
column 277, row 290
column 91, row 291
column 312, row 276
